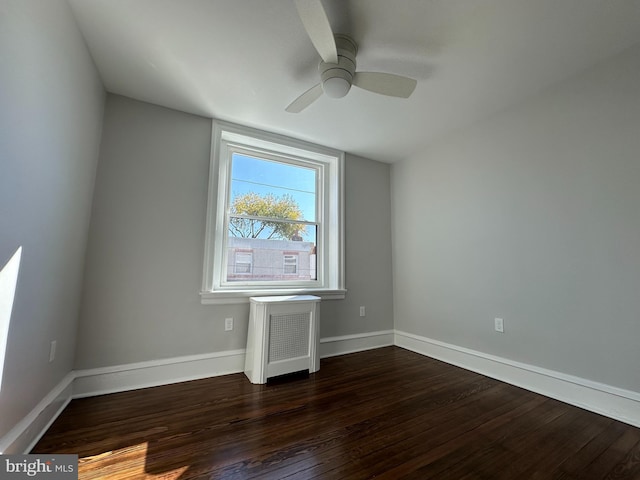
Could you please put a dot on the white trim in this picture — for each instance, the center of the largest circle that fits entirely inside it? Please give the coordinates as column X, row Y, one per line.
column 120, row 378
column 239, row 297
column 613, row 402
column 333, row 346
column 23, row 437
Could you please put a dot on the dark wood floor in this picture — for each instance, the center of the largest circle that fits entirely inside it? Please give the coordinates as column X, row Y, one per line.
column 386, row 413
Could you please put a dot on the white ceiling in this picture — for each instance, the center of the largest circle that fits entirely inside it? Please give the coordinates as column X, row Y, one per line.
column 245, row 60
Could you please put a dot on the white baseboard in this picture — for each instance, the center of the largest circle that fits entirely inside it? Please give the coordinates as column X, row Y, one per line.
column 616, row 403
column 120, row 378
column 332, row 346
column 23, row 437
column 97, row 381
column 613, row 402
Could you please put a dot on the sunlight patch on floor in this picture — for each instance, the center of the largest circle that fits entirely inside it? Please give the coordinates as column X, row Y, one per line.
column 126, row 462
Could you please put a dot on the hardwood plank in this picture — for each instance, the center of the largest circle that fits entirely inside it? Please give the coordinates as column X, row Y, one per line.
column 612, row 462
column 388, row 413
column 574, row 465
column 366, row 436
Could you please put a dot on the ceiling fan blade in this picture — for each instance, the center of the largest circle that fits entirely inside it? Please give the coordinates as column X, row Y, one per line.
column 315, row 21
column 306, row 99
column 385, row 83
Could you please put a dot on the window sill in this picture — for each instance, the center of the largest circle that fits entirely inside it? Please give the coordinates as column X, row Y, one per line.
column 236, row 296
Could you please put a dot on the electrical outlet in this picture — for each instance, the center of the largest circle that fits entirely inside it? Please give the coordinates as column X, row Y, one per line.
column 228, row 324
column 52, row 350
column 362, row 312
column 499, row 325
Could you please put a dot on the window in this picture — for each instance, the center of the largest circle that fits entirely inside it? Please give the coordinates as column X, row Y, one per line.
column 290, row 264
column 243, row 263
column 274, row 217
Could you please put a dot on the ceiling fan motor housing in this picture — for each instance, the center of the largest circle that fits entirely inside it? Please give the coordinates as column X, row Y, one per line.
column 337, row 77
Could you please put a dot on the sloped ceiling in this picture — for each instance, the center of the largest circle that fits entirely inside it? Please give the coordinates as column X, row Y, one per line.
column 245, row 60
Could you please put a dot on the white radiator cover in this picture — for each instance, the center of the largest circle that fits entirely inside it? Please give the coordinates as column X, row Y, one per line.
column 283, row 336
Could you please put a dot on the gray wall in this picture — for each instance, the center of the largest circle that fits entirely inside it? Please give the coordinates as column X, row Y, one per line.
column 144, row 261
column 50, row 119
column 368, row 252
column 532, row 216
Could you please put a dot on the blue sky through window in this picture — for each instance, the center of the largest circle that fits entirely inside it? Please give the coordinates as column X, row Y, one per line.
column 250, row 174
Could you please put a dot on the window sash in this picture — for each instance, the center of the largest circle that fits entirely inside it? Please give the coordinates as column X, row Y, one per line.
column 225, row 280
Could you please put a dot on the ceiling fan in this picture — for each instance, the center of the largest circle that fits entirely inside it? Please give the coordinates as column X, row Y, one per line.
column 338, row 65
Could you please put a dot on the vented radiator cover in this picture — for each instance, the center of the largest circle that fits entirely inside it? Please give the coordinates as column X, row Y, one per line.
column 283, row 336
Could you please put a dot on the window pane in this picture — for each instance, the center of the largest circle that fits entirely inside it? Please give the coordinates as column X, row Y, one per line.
column 274, row 256
column 286, row 191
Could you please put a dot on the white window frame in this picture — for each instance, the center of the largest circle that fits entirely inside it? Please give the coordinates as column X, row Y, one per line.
column 228, row 138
